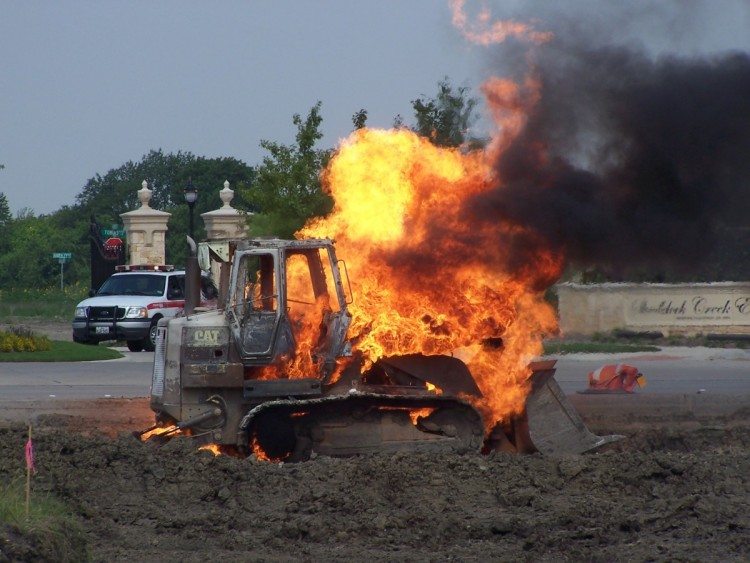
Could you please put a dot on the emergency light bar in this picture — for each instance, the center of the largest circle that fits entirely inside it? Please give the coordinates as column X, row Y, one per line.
column 144, row 268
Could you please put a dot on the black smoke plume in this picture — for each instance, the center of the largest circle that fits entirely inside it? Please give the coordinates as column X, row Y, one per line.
column 631, row 162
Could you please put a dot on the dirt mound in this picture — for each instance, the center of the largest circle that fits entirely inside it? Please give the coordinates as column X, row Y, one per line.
column 656, row 496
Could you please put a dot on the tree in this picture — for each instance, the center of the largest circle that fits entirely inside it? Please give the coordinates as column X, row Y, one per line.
column 115, row 192
column 286, row 190
column 27, row 260
column 108, row 196
column 5, row 219
column 5, row 215
column 359, row 119
column 446, row 118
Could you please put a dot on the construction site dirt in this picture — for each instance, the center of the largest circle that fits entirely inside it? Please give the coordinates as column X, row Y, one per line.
column 676, row 488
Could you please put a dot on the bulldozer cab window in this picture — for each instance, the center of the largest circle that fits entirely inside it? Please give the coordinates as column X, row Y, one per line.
column 256, row 288
column 310, row 282
column 309, row 298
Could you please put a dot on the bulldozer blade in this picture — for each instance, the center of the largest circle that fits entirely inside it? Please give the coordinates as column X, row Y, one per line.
column 551, row 425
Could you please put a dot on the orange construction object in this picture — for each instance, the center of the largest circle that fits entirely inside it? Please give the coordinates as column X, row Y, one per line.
column 615, row 378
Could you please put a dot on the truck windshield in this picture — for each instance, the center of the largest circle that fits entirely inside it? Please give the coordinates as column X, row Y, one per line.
column 133, row 284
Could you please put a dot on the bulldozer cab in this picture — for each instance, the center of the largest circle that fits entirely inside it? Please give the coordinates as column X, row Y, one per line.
column 286, row 304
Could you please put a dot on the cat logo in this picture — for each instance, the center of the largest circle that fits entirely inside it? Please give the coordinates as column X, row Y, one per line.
column 206, row 337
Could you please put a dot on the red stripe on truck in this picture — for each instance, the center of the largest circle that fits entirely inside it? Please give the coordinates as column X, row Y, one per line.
column 166, row 305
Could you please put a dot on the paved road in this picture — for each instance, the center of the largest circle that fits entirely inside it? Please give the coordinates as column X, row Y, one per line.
column 673, row 370
column 129, row 376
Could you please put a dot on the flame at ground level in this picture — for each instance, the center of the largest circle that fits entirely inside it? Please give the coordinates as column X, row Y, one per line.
column 170, row 430
column 428, row 278
column 213, row 448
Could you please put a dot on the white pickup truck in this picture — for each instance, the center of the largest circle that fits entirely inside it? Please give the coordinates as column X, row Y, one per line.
column 129, row 304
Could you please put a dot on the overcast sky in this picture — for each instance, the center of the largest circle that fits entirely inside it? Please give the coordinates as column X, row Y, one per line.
column 87, row 86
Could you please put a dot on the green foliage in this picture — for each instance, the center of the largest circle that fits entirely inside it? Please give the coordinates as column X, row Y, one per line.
column 286, row 190
column 27, row 242
column 48, row 303
column 208, row 176
column 446, row 118
column 26, row 252
column 359, row 119
column 5, row 220
column 5, row 215
column 115, row 193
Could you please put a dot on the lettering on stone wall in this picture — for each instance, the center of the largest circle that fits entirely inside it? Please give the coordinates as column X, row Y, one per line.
column 701, row 308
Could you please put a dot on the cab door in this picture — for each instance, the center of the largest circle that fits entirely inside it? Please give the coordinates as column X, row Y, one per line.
column 254, row 309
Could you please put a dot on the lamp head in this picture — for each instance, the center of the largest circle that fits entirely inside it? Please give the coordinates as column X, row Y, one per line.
column 191, row 192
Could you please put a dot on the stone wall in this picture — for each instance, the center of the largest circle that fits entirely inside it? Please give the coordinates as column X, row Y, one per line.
column 689, row 309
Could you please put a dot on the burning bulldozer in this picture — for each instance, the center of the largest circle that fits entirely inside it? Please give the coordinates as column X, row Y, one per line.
column 273, row 371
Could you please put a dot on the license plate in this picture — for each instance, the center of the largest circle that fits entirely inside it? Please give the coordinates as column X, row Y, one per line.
column 102, row 330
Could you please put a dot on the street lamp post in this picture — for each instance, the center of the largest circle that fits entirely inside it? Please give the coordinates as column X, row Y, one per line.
column 191, row 195
column 192, row 270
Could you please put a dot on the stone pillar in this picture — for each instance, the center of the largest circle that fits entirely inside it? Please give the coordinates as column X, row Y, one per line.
column 146, row 230
column 225, row 223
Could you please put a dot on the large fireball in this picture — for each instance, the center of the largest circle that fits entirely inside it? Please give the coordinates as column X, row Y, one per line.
column 427, row 278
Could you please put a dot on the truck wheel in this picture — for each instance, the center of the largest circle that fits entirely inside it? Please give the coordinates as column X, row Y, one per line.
column 85, row 341
column 149, row 343
column 135, row 345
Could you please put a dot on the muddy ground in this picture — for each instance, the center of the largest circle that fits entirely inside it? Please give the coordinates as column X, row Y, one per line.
column 677, row 488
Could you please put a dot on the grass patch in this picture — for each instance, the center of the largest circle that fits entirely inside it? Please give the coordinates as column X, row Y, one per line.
column 595, row 347
column 51, row 303
column 49, row 533
column 63, row 352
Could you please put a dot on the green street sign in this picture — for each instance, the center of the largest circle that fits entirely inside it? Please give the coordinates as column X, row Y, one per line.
column 113, row 232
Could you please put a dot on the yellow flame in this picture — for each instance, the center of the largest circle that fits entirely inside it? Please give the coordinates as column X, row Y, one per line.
column 416, row 291
column 433, row 388
column 159, row 431
column 213, row 448
column 416, row 414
